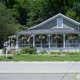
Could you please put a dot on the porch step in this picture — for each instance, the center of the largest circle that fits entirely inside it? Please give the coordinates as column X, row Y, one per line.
column 12, row 51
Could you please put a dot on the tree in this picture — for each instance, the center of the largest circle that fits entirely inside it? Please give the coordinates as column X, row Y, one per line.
column 71, row 13
column 21, row 8
column 8, row 3
column 8, row 24
column 37, row 12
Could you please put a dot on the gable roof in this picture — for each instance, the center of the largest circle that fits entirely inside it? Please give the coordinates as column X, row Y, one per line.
column 50, row 19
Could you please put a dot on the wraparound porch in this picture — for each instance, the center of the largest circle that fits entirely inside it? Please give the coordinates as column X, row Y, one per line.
column 49, row 41
column 50, row 38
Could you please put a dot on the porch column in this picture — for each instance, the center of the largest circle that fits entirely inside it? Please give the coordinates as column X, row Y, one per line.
column 49, row 40
column 64, row 40
column 33, row 40
column 17, row 36
column 9, row 43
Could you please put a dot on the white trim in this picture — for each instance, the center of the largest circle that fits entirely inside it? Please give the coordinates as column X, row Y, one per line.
column 50, row 19
column 64, row 40
column 33, row 40
column 49, row 40
column 78, row 27
column 59, row 22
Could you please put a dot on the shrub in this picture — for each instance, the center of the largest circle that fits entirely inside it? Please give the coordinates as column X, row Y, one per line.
column 71, row 53
column 58, row 53
column 52, row 53
column 28, row 49
column 43, row 52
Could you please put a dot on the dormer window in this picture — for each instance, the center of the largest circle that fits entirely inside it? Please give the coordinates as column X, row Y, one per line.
column 59, row 22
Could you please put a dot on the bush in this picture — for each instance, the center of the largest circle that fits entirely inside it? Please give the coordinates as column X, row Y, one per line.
column 28, row 49
column 58, row 53
column 43, row 52
column 71, row 53
column 52, row 53
column 55, row 53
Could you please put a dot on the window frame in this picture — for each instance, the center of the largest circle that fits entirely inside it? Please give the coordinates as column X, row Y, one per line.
column 61, row 23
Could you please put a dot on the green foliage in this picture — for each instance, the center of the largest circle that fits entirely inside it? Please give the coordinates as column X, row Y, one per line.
column 72, row 38
column 57, row 54
column 28, row 50
column 65, row 53
column 8, row 23
column 73, row 15
column 41, row 37
column 43, row 52
column 52, row 53
column 72, row 53
column 13, row 42
column 24, row 38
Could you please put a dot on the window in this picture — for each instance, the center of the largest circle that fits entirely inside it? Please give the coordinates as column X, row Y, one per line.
column 59, row 23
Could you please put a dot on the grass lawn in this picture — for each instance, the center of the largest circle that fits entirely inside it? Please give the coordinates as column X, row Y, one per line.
column 35, row 57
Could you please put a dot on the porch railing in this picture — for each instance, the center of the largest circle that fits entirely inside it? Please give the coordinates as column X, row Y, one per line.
column 52, row 45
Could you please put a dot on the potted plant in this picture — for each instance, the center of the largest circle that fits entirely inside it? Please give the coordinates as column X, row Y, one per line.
column 41, row 37
column 56, row 38
column 24, row 39
column 72, row 38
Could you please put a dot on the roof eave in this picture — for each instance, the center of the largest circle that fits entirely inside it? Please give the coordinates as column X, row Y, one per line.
column 65, row 17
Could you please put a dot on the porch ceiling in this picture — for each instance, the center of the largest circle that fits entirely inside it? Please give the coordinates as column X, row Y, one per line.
column 50, row 31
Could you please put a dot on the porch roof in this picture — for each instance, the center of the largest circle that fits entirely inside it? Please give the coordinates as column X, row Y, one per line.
column 50, row 31
column 13, row 36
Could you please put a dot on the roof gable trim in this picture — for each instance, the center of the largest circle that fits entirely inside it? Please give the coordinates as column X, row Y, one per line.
column 50, row 19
